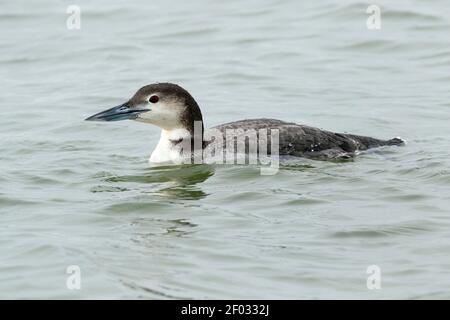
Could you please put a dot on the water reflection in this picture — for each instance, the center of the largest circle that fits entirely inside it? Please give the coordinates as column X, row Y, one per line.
column 148, row 229
column 177, row 182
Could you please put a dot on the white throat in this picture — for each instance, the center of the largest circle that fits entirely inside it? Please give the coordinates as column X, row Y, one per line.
column 166, row 150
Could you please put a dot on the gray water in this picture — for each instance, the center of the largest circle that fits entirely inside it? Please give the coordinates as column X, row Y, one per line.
column 80, row 193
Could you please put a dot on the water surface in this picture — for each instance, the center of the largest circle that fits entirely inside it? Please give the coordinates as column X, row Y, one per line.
column 79, row 193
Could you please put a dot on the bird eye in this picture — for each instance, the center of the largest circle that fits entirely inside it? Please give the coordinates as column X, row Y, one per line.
column 153, row 99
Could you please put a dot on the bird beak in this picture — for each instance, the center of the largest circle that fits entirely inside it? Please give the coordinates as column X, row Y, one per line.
column 122, row 112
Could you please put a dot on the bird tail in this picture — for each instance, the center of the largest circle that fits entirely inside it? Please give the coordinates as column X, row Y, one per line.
column 395, row 142
column 365, row 143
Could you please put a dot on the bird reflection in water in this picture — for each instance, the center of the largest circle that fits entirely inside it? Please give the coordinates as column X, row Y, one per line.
column 177, row 182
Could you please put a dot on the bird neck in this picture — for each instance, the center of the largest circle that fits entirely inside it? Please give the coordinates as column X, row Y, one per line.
column 191, row 119
column 178, row 145
column 186, row 139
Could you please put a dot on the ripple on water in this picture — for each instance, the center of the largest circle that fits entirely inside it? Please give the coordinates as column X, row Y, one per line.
column 108, row 189
column 137, row 206
column 147, row 292
column 413, row 16
column 408, row 229
column 6, row 201
column 305, row 202
column 186, row 34
column 406, row 197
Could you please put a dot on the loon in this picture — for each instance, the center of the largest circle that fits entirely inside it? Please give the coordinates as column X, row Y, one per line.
column 174, row 110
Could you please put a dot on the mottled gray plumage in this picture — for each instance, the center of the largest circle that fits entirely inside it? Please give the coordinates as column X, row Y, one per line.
column 309, row 142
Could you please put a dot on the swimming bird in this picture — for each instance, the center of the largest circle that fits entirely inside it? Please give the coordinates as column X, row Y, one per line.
column 175, row 111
